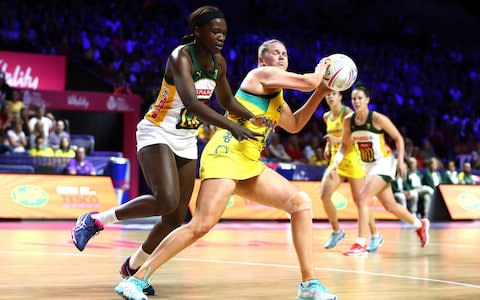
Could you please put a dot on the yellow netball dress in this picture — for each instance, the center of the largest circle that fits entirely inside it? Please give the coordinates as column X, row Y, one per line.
column 225, row 157
column 351, row 166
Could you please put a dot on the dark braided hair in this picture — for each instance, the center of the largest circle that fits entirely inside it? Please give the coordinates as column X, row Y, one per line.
column 200, row 17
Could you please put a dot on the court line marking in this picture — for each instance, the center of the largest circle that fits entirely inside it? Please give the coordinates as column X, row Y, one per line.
column 215, row 261
column 246, row 263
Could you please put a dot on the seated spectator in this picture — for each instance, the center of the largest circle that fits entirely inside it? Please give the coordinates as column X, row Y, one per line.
column 4, row 147
column 451, row 173
column 294, row 150
column 41, row 149
column 79, row 165
column 466, row 176
column 65, row 149
column 15, row 105
column 16, row 137
column 433, row 177
column 55, row 136
column 425, row 193
column 310, row 148
column 276, row 149
column 405, row 194
column 38, row 131
column 40, row 116
column 318, row 158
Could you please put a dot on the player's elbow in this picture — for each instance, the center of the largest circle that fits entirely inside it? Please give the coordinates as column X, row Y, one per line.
column 292, row 128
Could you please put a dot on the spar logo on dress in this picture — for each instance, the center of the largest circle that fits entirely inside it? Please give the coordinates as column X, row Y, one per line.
column 19, row 77
column 204, row 93
column 78, row 101
column 116, row 103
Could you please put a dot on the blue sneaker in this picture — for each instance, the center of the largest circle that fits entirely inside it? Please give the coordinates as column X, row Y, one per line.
column 375, row 242
column 131, row 288
column 85, row 229
column 334, row 238
column 314, row 290
column 126, row 272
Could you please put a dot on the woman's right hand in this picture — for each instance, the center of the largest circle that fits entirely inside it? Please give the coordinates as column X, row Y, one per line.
column 241, row 133
column 322, row 66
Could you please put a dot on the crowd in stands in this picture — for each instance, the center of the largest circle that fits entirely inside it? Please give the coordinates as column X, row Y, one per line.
column 417, row 190
column 34, row 132
column 426, row 84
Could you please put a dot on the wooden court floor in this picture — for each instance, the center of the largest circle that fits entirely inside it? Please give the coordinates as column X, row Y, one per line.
column 241, row 261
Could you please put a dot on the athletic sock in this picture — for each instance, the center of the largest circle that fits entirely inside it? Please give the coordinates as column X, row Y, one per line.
column 417, row 223
column 361, row 241
column 138, row 258
column 106, row 217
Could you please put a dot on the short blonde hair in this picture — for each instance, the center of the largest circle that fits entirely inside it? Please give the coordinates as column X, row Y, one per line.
column 264, row 47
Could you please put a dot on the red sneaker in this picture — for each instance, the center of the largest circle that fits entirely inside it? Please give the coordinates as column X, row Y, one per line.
column 422, row 232
column 356, row 250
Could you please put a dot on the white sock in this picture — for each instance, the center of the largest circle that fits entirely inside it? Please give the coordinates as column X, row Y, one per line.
column 106, row 217
column 307, row 283
column 376, row 235
column 417, row 223
column 361, row 241
column 138, row 258
column 338, row 231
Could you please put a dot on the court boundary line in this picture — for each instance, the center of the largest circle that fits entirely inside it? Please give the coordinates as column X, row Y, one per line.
column 332, row 270
column 247, row 263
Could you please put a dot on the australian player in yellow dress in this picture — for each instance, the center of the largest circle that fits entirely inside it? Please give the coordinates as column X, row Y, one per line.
column 229, row 166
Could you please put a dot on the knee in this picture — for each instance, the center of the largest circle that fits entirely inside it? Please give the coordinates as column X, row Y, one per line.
column 201, row 228
column 166, row 202
column 362, row 200
column 299, row 202
column 173, row 221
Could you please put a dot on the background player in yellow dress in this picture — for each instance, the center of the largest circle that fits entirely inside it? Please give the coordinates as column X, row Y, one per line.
column 229, row 166
column 351, row 168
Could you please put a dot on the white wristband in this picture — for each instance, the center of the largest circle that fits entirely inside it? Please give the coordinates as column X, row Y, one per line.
column 338, row 158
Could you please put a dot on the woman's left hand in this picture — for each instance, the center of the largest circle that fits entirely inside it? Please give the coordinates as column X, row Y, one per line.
column 261, row 121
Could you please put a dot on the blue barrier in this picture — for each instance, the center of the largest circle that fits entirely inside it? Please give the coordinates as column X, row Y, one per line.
column 300, row 171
